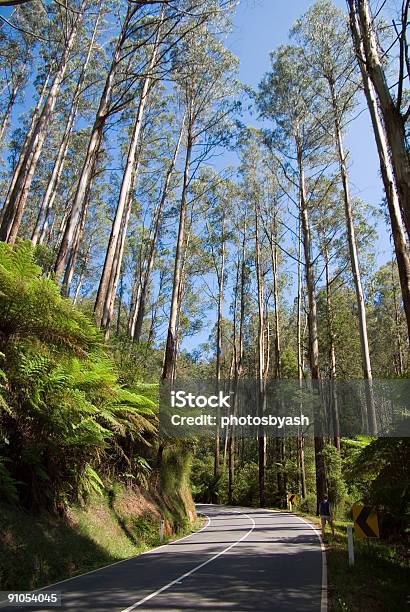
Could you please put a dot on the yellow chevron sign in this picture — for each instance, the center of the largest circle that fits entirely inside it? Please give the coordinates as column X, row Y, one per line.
column 292, row 498
column 366, row 522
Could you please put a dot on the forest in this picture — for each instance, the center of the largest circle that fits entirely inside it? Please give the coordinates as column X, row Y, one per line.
column 150, row 198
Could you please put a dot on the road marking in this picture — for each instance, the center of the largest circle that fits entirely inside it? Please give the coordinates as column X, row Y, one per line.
column 4, row 603
column 323, row 599
column 193, row 570
column 324, row 596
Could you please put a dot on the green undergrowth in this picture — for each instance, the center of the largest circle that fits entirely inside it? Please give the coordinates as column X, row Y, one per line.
column 174, row 490
column 379, row 579
column 39, row 550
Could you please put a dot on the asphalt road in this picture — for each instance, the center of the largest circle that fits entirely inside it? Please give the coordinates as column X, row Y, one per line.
column 243, row 559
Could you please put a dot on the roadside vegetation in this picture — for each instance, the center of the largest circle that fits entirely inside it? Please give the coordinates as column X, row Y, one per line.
column 377, row 581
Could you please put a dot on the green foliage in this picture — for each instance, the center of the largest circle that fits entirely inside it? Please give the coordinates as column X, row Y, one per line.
column 378, row 581
column 206, row 487
column 380, row 473
column 335, row 482
column 308, row 504
column 174, row 491
column 246, row 488
column 63, row 411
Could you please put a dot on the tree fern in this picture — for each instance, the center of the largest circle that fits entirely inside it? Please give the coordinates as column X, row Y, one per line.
column 64, row 416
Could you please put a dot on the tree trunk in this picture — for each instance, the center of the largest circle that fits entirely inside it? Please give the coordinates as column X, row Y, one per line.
column 33, row 122
column 93, row 149
column 238, row 359
column 120, row 298
column 126, row 186
column 399, row 239
column 116, row 270
column 332, row 352
column 18, row 197
column 49, row 196
column 170, row 350
column 354, row 263
column 82, row 273
column 312, row 323
column 394, row 122
column 271, row 233
column 261, row 400
column 400, row 365
column 154, row 310
column 7, row 112
column 72, row 260
column 137, row 316
column 299, row 304
column 221, row 279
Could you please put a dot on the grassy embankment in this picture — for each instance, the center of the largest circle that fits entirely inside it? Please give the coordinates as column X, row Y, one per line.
column 39, row 550
column 379, row 580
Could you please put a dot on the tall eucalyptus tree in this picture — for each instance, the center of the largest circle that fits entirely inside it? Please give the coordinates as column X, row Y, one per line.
column 298, row 134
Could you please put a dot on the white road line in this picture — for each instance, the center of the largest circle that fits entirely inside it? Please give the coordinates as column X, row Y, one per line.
column 324, row 595
column 323, row 599
column 4, row 603
column 193, row 570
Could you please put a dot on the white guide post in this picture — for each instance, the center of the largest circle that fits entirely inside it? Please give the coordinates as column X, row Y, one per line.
column 350, row 546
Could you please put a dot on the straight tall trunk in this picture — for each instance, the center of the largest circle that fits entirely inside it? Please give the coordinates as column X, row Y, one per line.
column 33, row 122
column 231, row 439
column 261, row 362
column 7, row 112
column 299, row 304
column 116, row 271
column 312, row 322
column 302, row 469
column 238, row 359
column 126, row 186
column 72, row 260
column 396, row 302
column 46, row 206
column 332, row 352
column 399, row 238
column 221, row 280
column 81, row 276
column 93, row 149
column 354, row 263
column 274, row 256
column 154, row 310
column 18, row 197
column 351, row 237
column 170, row 349
column 138, row 311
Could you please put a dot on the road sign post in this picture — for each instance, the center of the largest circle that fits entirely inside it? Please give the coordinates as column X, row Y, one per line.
column 161, row 530
column 350, row 545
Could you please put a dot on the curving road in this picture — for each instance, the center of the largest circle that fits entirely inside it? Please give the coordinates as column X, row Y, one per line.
column 242, row 559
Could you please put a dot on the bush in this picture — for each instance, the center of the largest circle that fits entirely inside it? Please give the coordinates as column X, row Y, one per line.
column 308, row 504
column 62, row 410
column 246, row 485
